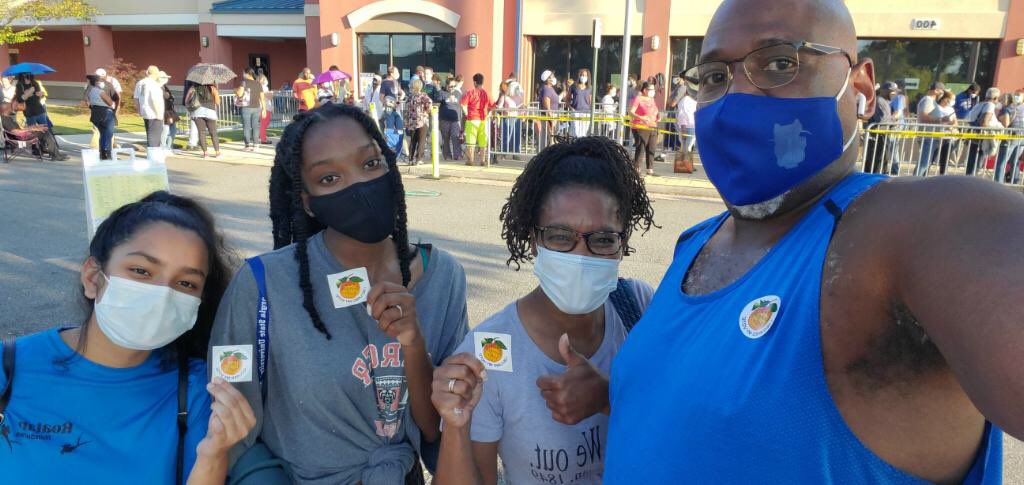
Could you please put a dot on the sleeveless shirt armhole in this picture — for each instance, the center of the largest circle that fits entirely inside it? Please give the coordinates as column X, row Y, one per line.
column 693, row 231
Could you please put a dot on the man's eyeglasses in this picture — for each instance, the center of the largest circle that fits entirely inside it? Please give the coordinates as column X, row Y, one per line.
column 768, row 67
column 562, row 240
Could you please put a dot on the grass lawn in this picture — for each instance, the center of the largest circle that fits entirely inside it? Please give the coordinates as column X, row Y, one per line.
column 74, row 120
column 225, row 136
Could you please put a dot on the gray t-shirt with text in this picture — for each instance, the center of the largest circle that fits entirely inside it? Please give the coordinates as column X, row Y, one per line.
column 336, row 410
column 533, row 447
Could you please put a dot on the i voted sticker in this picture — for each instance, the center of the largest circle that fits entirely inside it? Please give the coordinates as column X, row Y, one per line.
column 349, row 287
column 758, row 316
column 494, row 350
column 233, row 363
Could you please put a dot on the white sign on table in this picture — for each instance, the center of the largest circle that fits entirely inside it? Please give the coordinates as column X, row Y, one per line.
column 110, row 184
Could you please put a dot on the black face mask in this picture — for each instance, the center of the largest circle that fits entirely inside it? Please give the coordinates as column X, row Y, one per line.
column 364, row 211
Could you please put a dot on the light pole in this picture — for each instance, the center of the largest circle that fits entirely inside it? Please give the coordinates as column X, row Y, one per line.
column 624, row 89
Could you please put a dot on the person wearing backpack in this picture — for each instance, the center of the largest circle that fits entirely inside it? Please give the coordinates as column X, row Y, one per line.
column 1008, row 162
column 572, row 212
column 123, row 397
column 983, row 115
column 250, row 100
column 202, row 102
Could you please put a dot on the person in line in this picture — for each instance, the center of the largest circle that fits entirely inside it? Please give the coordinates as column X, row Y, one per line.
column 686, row 124
column 30, row 93
column 339, row 87
column 101, row 115
column 249, row 97
column 449, row 115
column 337, row 203
column 631, row 89
column 946, row 113
column 549, row 101
column 925, row 110
column 431, row 84
column 967, row 100
column 475, row 106
column 202, row 101
column 47, row 142
column 268, row 104
column 572, row 211
column 8, row 87
column 391, row 85
column 112, row 86
column 392, row 126
column 900, row 114
column 645, row 118
column 372, row 98
column 580, row 100
column 149, row 98
column 983, row 115
column 171, row 116
column 1007, row 168
column 110, row 390
column 304, row 90
column 511, row 126
column 819, row 330
column 609, row 108
column 325, row 93
column 876, row 147
column 417, row 121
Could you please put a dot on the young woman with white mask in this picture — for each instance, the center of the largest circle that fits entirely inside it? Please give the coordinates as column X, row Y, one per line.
column 573, row 210
column 124, row 397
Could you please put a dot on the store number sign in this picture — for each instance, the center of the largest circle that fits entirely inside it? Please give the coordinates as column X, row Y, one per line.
column 925, row 24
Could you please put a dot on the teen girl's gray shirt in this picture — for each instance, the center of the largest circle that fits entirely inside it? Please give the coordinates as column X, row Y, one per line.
column 336, row 410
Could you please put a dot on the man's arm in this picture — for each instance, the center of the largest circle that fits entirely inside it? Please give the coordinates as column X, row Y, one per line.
column 959, row 269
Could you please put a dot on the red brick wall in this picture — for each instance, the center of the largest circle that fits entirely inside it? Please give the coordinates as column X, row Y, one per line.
column 173, row 51
column 59, row 49
column 286, row 57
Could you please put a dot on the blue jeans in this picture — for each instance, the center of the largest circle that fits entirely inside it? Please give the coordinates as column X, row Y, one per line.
column 37, row 120
column 251, row 126
column 511, row 135
column 106, row 132
column 170, row 131
column 927, row 147
column 1009, row 154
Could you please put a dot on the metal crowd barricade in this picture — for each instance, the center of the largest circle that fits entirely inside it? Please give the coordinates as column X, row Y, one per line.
column 927, row 149
column 523, row 132
column 284, row 105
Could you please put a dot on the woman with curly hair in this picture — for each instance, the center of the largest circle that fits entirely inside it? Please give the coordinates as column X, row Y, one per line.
column 344, row 394
column 573, row 210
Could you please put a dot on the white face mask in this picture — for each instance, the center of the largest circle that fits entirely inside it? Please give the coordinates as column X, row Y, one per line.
column 576, row 284
column 140, row 316
column 650, row 93
column 1017, row 99
column 583, row 79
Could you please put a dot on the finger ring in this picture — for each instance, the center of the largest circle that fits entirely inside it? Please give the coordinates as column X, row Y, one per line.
column 401, row 313
column 451, row 386
column 457, row 410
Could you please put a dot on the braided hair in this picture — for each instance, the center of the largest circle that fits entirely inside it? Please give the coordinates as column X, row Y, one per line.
column 291, row 223
column 593, row 162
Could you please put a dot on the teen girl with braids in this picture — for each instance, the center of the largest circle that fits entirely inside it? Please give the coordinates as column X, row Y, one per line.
column 574, row 209
column 346, row 394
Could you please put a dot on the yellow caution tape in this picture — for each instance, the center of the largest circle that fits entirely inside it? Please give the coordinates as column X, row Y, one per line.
column 597, row 119
column 946, row 134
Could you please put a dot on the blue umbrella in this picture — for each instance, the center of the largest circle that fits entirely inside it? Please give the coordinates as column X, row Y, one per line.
column 28, row 68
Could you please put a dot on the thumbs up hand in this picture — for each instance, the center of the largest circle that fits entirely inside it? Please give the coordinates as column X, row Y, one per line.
column 581, row 392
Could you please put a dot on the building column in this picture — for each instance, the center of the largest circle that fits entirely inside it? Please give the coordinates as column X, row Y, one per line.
column 100, row 51
column 4, row 57
column 322, row 20
column 1009, row 66
column 218, row 49
column 486, row 19
column 656, row 19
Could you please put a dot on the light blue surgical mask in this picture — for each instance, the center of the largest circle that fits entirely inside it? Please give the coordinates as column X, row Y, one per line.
column 756, row 148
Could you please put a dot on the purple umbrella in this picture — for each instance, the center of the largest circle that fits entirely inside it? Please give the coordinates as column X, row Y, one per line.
column 331, row 76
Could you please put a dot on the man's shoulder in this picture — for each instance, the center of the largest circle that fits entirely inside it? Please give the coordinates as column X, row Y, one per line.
column 912, row 204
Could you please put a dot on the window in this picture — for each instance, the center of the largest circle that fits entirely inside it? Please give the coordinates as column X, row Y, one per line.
column 406, row 51
column 565, row 56
column 955, row 63
column 685, row 52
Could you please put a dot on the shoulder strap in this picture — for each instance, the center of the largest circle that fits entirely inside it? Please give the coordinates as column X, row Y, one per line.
column 182, row 415
column 5, row 395
column 625, row 304
column 262, row 322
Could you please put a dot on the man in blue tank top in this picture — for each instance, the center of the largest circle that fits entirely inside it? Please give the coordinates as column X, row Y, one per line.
column 831, row 326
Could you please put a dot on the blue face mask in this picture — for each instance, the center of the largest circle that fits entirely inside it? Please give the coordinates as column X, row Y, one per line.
column 756, row 148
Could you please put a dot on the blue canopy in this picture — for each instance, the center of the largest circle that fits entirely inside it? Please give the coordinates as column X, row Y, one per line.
column 28, row 68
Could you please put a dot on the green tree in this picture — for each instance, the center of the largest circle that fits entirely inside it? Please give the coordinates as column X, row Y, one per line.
column 29, row 15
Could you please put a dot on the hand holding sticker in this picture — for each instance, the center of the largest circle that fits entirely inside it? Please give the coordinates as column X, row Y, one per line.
column 349, row 287
column 233, row 363
column 494, row 350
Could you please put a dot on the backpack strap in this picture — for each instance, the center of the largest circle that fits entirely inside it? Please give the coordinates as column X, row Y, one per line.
column 182, row 414
column 625, row 304
column 262, row 322
column 5, row 395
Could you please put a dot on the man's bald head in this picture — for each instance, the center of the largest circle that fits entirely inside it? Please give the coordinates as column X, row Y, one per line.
column 822, row 21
